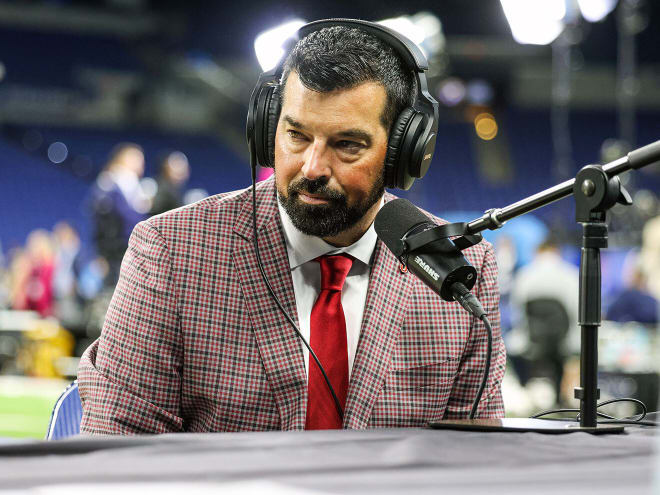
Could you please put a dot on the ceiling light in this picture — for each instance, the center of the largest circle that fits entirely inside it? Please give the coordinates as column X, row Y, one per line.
column 424, row 29
column 596, row 10
column 536, row 22
column 270, row 45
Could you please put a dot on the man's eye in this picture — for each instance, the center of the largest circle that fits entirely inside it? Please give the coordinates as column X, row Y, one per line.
column 349, row 146
column 295, row 135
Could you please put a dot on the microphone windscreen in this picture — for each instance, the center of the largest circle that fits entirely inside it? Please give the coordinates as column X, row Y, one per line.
column 394, row 220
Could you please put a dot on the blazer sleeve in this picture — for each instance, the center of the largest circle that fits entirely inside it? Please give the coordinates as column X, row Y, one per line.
column 130, row 378
column 471, row 368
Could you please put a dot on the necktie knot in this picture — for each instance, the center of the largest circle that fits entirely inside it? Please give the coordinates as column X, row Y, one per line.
column 334, row 269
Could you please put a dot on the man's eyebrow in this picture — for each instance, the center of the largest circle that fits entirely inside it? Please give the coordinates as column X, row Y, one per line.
column 350, row 133
column 293, row 123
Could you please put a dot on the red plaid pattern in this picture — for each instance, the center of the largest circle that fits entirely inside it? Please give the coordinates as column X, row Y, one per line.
column 192, row 340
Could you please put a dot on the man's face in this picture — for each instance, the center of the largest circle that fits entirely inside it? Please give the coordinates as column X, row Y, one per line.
column 329, row 155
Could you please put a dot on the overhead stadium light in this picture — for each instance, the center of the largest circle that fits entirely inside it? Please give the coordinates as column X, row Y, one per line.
column 596, row 10
column 535, row 22
column 270, row 45
column 406, row 27
column 424, row 29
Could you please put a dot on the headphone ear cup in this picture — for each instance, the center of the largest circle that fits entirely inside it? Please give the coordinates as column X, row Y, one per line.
column 272, row 119
column 393, row 163
column 264, row 128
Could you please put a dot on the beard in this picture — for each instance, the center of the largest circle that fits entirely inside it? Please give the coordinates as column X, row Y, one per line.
column 329, row 219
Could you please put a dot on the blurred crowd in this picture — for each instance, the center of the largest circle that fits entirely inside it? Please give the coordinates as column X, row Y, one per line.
column 56, row 278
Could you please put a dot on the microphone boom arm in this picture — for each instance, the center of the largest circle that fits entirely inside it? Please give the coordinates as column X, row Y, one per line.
column 494, row 218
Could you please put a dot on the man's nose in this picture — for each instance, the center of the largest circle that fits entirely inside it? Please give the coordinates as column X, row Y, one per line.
column 317, row 162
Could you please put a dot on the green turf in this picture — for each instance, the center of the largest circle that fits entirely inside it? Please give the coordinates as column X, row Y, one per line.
column 26, row 405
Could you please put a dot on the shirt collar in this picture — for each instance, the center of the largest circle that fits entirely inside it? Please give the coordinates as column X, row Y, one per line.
column 302, row 248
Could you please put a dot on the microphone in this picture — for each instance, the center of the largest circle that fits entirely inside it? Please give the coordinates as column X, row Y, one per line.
column 436, row 261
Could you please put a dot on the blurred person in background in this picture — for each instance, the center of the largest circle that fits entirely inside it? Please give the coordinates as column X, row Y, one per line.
column 634, row 302
column 174, row 172
column 544, row 301
column 19, row 273
column 39, row 283
column 68, row 265
column 507, row 258
column 67, row 260
column 92, row 276
column 650, row 255
column 118, row 203
column 4, row 280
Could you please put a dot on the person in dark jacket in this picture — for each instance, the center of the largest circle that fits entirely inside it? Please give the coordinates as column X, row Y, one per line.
column 174, row 173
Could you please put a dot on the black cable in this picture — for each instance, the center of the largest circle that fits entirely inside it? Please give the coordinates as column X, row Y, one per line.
column 609, row 419
column 642, row 415
column 484, row 381
column 253, row 165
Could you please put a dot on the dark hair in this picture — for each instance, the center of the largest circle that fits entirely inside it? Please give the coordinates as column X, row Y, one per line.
column 339, row 57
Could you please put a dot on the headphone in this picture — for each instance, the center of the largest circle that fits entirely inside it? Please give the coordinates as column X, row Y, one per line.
column 412, row 137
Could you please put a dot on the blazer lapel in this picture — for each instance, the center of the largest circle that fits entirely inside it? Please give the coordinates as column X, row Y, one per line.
column 279, row 346
column 387, row 297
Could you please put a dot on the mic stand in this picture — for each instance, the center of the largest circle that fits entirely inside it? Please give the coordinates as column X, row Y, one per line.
column 595, row 193
column 596, row 189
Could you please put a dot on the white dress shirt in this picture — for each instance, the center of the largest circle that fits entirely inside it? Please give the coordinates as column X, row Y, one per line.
column 302, row 249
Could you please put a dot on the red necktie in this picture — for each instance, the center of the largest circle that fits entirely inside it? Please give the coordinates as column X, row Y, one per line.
column 328, row 339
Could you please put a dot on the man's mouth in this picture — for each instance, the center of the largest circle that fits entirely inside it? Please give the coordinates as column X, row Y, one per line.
column 312, row 199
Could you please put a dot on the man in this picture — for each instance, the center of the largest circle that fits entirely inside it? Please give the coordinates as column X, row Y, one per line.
column 118, row 203
column 634, row 302
column 193, row 341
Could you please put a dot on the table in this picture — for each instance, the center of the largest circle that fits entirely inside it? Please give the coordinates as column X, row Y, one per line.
column 384, row 461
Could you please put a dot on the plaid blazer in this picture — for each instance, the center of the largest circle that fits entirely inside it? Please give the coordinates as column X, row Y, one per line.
column 193, row 341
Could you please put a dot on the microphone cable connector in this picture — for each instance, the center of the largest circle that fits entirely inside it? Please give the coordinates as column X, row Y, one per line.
column 466, row 299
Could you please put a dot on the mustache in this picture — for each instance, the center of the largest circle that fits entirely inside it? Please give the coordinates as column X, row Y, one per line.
column 315, row 186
